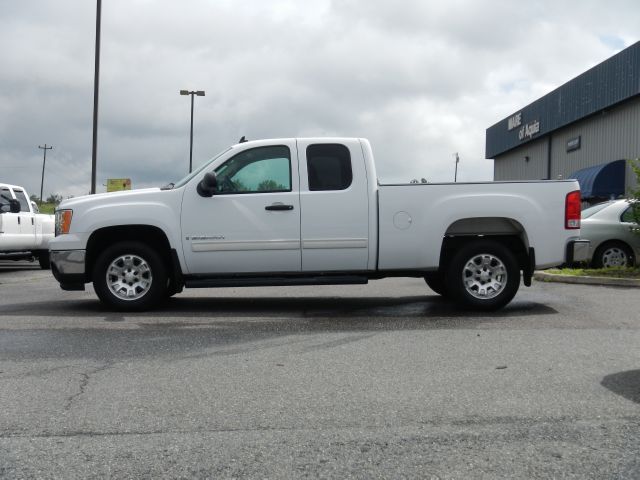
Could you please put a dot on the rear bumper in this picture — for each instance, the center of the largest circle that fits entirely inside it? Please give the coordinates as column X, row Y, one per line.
column 68, row 267
column 577, row 251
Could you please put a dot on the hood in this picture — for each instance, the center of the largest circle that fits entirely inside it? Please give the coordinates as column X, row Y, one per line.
column 103, row 198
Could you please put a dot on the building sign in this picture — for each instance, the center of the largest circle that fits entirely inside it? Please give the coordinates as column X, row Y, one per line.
column 573, row 144
column 117, row 184
column 514, row 121
column 527, row 131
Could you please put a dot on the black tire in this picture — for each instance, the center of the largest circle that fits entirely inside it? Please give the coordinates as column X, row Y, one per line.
column 435, row 281
column 44, row 261
column 611, row 254
column 496, row 282
column 144, row 277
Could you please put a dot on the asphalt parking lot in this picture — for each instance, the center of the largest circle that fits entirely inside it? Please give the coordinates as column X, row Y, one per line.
column 378, row 381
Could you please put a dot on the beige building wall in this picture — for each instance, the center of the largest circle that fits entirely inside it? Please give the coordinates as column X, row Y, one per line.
column 528, row 162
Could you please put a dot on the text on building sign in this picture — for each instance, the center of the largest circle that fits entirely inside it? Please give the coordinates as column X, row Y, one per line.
column 514, row 121
column 529, row 130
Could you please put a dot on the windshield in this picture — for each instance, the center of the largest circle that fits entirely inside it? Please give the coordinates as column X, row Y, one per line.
column 204, row 166
column 587, row 212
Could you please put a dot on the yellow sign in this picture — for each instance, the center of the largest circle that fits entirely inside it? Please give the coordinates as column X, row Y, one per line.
column 117, row 184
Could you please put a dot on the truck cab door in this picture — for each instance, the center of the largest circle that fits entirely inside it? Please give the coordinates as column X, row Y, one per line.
column 335, row 206
column 9, row 226
column 26, row 220
column 251, row 224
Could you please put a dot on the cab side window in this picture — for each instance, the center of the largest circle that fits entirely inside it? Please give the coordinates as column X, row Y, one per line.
column 5, row 196
column 329, row 167
column 258, row 170
column 22, row 198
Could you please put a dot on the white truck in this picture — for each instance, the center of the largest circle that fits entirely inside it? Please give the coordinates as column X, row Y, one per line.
column 310, row 211
column 24, row 233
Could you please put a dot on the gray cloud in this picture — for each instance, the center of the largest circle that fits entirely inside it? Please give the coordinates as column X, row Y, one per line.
column 420, row 79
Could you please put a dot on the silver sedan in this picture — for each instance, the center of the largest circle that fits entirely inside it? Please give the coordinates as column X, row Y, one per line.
column 610, row 228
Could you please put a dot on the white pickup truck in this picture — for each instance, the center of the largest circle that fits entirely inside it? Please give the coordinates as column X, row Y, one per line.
column 24, row 233
column 310, row 211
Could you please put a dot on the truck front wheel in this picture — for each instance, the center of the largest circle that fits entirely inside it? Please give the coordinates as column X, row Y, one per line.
column 483, row 275
column 43, row 260
column 130, row 276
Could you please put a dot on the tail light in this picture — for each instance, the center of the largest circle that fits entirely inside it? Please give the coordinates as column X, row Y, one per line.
column 572, row 213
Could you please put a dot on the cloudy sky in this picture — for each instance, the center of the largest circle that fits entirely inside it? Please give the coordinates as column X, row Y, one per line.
column 421, row 79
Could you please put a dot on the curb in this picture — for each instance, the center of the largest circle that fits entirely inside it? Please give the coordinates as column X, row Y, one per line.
column 604, row 281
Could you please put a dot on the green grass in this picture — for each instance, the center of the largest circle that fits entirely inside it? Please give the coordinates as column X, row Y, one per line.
column 614, row 272
column 47, row 207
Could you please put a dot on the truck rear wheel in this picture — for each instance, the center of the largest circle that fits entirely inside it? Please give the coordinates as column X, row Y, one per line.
column 130, row 276
column 483, row 275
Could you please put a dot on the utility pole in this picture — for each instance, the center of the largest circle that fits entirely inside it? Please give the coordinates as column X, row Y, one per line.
column 44, row 161
column 96, row 84
column 455, row 175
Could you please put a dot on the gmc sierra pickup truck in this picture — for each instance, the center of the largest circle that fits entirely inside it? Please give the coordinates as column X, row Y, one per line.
column 24, row 233
column 310, row 211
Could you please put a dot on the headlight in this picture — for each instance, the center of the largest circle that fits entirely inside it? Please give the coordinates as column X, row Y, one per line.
column 63, row 221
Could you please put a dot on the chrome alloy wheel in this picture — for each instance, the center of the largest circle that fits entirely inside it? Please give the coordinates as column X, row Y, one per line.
column 614, row 257
column 129, row 277
column 484, row 276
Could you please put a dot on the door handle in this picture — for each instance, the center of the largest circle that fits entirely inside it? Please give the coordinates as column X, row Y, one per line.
column 279, row 206
column 18, row 220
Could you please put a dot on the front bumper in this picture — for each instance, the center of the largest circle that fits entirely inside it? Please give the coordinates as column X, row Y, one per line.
column 68, row 267
column 578, row 251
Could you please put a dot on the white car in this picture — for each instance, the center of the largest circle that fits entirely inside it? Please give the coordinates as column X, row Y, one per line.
column 311, row 211
column 611, row 229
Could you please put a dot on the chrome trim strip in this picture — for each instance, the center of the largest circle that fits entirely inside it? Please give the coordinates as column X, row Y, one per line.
column 335, row 243
column 243, row 246
column 68, row 261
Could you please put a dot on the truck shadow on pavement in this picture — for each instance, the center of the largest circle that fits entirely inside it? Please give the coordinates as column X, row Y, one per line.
column 424, row 309
column 626, row 384
column 203, row 327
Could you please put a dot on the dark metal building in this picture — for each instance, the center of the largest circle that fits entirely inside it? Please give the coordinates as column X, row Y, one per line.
column 576, row 131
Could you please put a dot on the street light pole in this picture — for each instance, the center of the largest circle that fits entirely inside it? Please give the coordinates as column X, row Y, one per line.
column 44, row 161
column 96, row 83
column 199, row 93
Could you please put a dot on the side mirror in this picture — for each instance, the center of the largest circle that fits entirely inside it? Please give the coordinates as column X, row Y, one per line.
column 208, row 185
column 14, row 206
column 34, row 206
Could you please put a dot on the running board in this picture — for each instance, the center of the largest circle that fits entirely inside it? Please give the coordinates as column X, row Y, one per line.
column 220, row 282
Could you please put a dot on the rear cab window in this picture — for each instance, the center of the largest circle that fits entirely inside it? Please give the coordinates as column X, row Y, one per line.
column 329, row 167
column 22, row 198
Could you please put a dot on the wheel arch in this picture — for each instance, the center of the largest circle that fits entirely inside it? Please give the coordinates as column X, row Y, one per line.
column 494, row 226
column 107, row 236
column 504, row 230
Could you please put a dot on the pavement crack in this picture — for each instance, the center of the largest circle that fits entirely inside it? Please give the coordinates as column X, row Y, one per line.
column 84, row 381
